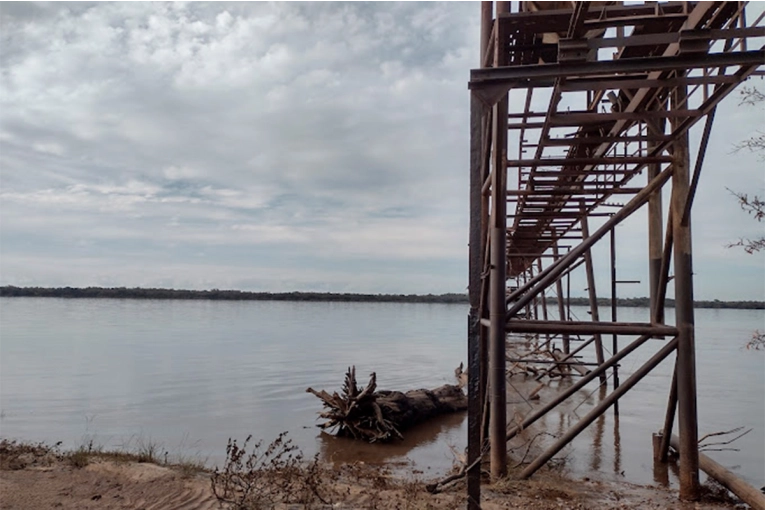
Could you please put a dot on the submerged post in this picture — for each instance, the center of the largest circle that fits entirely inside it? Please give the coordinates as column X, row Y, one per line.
column 686, row 355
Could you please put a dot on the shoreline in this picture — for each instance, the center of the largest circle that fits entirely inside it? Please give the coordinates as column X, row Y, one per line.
column 238, row 295
column 40, row 476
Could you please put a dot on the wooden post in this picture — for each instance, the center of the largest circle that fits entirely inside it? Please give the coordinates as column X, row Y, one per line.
column 748, row 494
column 561, row 305
column 498, row 269
column 477, row 359
column 544, row 301
column 614, row 337
column 669, row 417
column 686, row 355
column 655, row 245
column 474, row 414
column 592, row 293
column 475, row 372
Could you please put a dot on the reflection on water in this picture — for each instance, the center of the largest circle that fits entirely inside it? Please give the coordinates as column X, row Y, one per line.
column 730, row 380
column 617, row 447
column 188, row 375
column 340, row 450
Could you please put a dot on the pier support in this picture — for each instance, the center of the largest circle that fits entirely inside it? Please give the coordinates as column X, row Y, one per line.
column 603, row 120
column 591, row 291
column 498, row 272
column 686, row 355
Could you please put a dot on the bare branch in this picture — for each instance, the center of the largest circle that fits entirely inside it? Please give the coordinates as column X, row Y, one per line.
column 750, row 96
column 757, row 342
column 725, row 442
column 754, row 206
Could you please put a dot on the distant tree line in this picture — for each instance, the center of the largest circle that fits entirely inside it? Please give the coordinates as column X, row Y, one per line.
column 223, row 295
column 238, row 295
column 644, row 302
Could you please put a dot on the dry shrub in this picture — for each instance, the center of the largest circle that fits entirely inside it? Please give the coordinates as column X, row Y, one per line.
column 278, row 474
column 18, row 455
column 256, row 476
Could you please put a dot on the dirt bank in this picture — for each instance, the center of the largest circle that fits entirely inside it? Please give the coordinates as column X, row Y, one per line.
column 36, row 477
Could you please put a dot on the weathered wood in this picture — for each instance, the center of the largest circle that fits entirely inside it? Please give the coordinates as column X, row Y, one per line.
column 748, row 494
column 560, row 358
column 374, row 415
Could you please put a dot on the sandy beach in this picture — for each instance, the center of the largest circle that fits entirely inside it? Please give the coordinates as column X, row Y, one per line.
column 37, row 477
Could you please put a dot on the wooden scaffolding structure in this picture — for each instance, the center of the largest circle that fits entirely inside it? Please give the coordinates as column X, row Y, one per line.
column 620, row 88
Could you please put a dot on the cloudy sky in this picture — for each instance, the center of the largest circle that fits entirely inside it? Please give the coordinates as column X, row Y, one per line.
column 274, row 147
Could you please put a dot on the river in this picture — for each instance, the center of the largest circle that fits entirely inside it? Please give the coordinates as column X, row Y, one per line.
column 187, row 375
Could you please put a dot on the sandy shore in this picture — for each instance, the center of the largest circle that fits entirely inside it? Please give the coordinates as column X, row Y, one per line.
column 39, row 478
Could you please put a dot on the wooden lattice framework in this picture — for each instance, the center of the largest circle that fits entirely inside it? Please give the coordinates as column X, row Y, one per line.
column 621, row 85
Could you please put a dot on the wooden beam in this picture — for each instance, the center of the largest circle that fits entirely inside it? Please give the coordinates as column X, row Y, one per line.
column 599, row 409
column 566, row 162
column 590, row 328
column 513, row 76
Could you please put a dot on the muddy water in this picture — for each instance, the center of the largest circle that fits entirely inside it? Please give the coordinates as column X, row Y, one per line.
column 188, row 375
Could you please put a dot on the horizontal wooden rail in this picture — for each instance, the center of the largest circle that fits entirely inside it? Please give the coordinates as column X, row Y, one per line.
column 589, row 328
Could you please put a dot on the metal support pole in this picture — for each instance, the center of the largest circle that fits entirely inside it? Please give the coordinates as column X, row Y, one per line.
column 498, row 270
column 686, row 356
column 561, row 305
column 614, row 337
column 591, row 292
column 474, row 414
column 669, row 417
column 568, row 296
column 654, row 232
column 599, row 409
column 544, row 301
column 477, row 359
column 475, row 374
column 581, row 383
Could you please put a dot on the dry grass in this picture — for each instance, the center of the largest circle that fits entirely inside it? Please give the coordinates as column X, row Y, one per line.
column 257, row 476
column 18, row 455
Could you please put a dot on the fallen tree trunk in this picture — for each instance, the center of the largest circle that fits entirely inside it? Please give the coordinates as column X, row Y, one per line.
column 381, row 415
column 748, row 494
column 561, row 356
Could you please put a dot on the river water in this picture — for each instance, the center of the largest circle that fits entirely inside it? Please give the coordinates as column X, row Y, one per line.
column 187, row 375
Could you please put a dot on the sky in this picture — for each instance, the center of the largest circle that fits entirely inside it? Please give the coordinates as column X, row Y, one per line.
column 277, row 147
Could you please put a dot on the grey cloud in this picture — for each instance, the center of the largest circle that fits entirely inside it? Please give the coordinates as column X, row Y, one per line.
column 335, row 132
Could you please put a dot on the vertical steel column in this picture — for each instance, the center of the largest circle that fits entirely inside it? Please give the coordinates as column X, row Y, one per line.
column 474, row 371
column 592, row 293
column 498, row 268
column 614, row 341
column 478, row 209
column 655, row 235
column 487, row 21
column 544, row 302
column 686, row 356
column 561, row 305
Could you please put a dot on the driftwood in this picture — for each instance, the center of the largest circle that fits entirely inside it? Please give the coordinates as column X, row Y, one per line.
column 374, row 415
